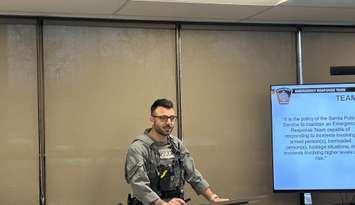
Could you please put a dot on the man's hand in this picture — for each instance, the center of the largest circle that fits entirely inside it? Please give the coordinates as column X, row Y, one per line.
column 177, row 201
column 173, row 201
column 212, row 197
column 216, row 199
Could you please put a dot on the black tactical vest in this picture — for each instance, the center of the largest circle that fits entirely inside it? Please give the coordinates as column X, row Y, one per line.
column 166, row 175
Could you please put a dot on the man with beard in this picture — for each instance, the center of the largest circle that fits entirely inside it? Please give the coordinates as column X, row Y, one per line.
column 158, row 164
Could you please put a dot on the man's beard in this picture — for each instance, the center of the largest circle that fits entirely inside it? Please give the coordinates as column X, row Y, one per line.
column 164, row 131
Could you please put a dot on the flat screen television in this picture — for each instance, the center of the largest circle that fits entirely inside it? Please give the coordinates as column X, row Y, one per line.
column 313, row 137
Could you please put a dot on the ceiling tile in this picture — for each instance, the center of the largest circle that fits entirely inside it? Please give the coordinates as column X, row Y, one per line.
column 189, row 11
column 322, row 3
column 61, row 6
column 285, row 14
column 339, row 12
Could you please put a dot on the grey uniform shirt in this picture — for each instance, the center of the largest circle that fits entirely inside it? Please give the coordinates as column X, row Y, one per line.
column 142, row 153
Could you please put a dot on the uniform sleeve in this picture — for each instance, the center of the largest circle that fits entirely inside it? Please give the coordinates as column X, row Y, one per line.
column 136, row 176
column 192, row 175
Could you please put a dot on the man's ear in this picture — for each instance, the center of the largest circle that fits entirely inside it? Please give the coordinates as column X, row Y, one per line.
column 151, row 118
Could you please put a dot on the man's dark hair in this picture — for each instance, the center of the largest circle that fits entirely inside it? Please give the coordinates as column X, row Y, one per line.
column 161, row 103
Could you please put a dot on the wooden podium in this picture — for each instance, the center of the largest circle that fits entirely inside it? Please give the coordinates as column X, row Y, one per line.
column 239, row 201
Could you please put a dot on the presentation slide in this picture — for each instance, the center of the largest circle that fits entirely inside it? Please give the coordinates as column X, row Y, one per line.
column 313, row 136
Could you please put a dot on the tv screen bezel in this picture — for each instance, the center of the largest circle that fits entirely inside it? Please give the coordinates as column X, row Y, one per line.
column 272, row 141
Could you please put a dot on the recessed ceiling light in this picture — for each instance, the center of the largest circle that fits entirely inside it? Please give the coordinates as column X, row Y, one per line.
column 281, row 2
column 230, row 2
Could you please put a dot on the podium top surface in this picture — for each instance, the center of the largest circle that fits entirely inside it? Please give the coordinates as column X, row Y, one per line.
column 239, row 201
column 230, row 202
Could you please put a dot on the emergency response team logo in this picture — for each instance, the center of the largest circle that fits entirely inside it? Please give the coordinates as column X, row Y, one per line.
column 283, row 95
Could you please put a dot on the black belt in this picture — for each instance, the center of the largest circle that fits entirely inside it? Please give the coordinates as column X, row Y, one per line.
column 171, row 194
